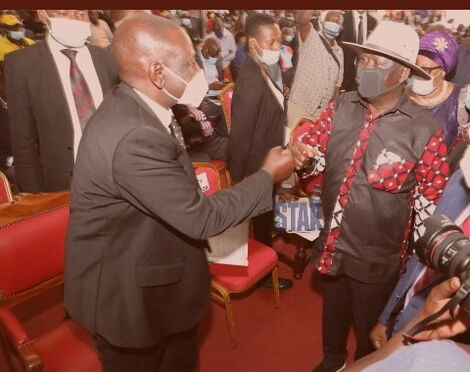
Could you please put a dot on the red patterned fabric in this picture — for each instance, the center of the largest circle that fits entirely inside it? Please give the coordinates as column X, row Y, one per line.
column 431, row 175
column 326, row 259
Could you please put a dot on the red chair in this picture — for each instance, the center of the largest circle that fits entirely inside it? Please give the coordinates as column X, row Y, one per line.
column 31, row 263
column 226, row 100
column 228, row 279
column 5, row 191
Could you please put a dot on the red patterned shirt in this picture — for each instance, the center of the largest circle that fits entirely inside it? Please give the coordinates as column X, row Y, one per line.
column 383, row 177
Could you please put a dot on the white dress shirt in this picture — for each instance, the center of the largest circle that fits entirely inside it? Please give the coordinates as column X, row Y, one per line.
column 86, row 66
column 356, row 21
column 163, row 114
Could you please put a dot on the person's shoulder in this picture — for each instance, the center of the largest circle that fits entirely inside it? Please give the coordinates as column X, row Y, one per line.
column 25, row 55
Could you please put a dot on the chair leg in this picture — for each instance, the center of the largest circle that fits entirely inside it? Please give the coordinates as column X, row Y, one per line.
column 275, row 279
column 224, row 299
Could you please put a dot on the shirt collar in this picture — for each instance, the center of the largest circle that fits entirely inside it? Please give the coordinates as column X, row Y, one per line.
column 163, row 114
column 404, row 105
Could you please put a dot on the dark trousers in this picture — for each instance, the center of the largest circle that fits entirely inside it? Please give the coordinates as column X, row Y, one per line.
column 175, row 353
column 348, row 302
column 263, row 228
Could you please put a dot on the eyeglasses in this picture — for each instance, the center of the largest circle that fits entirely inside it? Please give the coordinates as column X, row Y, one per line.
column 428, row 70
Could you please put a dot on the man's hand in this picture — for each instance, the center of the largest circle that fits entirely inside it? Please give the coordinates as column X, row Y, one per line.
column 445, row 326
column 302, row 154
column 378, row 335
column 216, row 85
column 279, row 164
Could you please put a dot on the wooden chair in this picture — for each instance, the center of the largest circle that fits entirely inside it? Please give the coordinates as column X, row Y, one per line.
column 226, row 100
column 228, row 279
column 5, row 190
column 31, row 263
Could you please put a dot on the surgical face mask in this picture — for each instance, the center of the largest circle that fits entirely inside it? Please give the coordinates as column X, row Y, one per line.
column 186, row 22
column 288, row 38
column 69, row 32
column 227, row 25
column 195, row 89
column 211, row 60
column 421, row 86
column 371, row 82
column 16, row 35
column 331, row 30
column 269, row 57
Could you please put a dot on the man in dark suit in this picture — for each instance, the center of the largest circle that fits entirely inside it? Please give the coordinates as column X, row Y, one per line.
column 258, row 118
column 136, row 272
column 52, row 89
column 357, row 26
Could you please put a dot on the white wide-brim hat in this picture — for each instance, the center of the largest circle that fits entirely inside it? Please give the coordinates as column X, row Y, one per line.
column 393, row 40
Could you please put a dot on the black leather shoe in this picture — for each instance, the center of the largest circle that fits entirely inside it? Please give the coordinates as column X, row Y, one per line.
column 327, row 366
column 284, row 283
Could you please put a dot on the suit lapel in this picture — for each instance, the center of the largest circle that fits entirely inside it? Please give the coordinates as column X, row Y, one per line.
column 182, row 155
column 101, row 69
column 51, row 78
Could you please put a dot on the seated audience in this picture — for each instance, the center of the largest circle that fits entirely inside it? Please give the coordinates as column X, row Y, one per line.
column 226, row 40
column 101, row 34
column 15, row 36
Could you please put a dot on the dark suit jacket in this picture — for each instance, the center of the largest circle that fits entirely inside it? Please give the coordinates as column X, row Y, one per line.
column 349, row 34
column 135, row 267
column 257, row 121
column 40, row 121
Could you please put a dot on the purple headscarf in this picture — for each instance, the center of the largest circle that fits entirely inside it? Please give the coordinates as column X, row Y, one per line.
column 441, row 47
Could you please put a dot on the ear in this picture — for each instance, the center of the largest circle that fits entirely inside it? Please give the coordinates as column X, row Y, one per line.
column 156, row 75
column 405, row 73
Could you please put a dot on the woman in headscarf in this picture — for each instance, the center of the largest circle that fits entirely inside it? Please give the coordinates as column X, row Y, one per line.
column 438, row 54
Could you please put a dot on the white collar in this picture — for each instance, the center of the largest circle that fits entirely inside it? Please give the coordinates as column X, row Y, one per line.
column 57, row 47
column 163, row 114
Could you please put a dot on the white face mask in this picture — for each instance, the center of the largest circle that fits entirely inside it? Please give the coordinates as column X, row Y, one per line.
column 269, row 57
column 421, row 86
column 289, row 38
column 69, row 32
column 195, row 89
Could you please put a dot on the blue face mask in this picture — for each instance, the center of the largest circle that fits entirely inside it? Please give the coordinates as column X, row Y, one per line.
column 16, row 35
column 212, row 60
column 331, row 30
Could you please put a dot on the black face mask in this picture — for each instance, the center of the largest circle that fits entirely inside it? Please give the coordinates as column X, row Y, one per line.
column 371, row 82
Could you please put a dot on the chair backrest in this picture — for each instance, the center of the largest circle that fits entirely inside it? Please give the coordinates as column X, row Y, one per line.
column 226, row 100
column 32, row 247
column 5, row 191
column 212, row 176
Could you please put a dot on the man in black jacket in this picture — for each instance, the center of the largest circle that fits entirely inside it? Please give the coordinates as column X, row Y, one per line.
column 136, row 274
column 52, row 89
column 258, row 117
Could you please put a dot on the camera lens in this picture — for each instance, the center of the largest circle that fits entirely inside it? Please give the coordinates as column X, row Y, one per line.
column 444, row 247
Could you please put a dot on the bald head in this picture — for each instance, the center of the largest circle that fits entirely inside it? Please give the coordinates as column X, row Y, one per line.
column 211, row 48
column 143, row 39
column 155, row 56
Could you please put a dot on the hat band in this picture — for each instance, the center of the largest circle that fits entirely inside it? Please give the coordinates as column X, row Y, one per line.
column 383, row 50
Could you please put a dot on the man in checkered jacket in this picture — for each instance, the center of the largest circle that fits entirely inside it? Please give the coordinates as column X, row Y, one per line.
column 384, row 162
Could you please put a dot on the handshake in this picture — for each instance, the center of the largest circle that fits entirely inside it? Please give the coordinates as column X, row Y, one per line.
column 280, row 162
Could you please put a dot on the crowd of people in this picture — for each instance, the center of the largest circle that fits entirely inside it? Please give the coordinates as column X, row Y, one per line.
column 115, row 105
